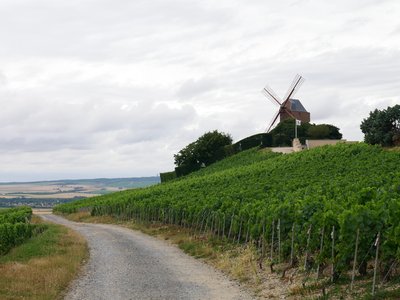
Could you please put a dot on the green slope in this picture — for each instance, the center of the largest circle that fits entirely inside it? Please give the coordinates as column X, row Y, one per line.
column 349, row 187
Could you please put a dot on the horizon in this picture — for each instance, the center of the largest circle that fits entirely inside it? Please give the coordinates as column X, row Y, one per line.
column 78, row 179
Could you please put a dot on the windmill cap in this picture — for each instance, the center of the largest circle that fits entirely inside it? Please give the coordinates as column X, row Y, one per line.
column 295, row 105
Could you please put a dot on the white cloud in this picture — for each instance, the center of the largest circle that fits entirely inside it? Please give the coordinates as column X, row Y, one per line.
column 114, row 88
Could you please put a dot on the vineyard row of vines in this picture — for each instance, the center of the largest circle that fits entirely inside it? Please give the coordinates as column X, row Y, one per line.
column 317, row 208
column 16, row 227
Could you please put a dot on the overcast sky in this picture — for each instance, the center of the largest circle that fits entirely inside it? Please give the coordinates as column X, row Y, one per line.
column 113, row 88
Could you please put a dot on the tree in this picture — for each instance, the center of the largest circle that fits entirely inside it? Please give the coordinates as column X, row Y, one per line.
column 323, row 131
column 382, row 127
column 206, row 150
column 283, row 133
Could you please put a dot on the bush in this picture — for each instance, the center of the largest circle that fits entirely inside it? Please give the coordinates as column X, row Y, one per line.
column 167, row 176
column 323, row 131
column 284, row 133
column 261, row 140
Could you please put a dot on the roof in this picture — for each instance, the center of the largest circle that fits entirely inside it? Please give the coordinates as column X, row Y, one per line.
column 295, row 105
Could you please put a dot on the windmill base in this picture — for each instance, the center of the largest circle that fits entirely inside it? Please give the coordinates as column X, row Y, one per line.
column 297, row 145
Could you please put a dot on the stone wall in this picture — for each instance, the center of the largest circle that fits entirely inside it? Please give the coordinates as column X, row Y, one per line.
column 318, row 143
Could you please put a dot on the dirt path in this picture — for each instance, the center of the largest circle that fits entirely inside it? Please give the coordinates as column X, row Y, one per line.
column 126, row 264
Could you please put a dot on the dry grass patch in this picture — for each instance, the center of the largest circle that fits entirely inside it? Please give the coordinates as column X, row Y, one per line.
column 85, row 216
column 43, row 267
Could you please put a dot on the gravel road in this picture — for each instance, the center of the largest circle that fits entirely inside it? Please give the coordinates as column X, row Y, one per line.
column 127, row 264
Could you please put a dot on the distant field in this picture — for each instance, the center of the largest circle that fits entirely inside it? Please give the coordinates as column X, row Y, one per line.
column 49, row 193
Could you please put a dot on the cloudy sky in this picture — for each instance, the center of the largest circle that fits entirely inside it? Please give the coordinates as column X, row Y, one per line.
column 113, row 88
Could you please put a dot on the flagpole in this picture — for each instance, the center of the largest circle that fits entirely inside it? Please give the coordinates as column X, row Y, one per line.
column 297, row 122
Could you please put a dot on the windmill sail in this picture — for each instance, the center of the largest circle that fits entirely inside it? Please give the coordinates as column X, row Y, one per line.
column 289, row 107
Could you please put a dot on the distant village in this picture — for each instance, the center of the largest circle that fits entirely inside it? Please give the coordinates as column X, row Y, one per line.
column 35, row 202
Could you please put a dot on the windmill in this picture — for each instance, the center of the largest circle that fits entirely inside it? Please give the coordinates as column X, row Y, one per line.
column 289, row 108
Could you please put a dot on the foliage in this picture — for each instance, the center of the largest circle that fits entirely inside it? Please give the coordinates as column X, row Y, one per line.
column 382, row 127
column 346, row 186
column 323, row 131
column 167, row 176
column 284, row 133
column 206, row 150
column 44, row 265
column 15, row 215
column 15, row 227
column 261, row 140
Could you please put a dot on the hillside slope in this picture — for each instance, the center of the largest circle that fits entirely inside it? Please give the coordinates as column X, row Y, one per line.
column 335, row 189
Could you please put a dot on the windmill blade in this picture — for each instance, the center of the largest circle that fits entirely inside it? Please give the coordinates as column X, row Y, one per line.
column 297, row 82
column 273, row 121
column 270, row 94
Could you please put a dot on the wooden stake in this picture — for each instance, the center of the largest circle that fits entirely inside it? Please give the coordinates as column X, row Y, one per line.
column 292, row 247
column 240, row 230
column 279, row 241
column 230, row 226
column 376, row 262
column 308, row 244
column 248, row 231
column 223, row 226
column 353, row 274
column 272, row 240
column 218, row 222
column 333, row 254
column 320, row 251
column 262, row 245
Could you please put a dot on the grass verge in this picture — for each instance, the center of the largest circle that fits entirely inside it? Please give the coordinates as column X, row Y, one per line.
column 43, row 266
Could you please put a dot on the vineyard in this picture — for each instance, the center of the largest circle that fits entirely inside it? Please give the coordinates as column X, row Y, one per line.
column 15, row 227
column 333, row 210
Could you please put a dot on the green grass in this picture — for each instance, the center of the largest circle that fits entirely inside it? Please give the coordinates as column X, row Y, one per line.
column 43, row 266
column 41, row 245
column 388, row 294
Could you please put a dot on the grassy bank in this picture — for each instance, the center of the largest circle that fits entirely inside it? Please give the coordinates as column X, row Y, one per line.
column 42, row 267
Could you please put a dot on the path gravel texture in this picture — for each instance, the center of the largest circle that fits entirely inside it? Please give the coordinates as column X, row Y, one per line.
column 127, row 264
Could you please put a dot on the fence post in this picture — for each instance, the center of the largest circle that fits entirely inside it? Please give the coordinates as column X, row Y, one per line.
column 262, row 244
column 376, row 261
column 248, row 230
column 320, row 251
column 223, row 225
column 230, row 226
column 279, row 240
column 292, row 247
column 333, row 253
column 308, row 244
column 353, row 274
column 218, row 222
column 272, row 240
column 240, row 230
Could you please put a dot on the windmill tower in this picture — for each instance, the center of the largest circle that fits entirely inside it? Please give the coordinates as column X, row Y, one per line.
column 290, row 107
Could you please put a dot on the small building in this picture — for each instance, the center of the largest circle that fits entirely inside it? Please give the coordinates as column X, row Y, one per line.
column 297, row 109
